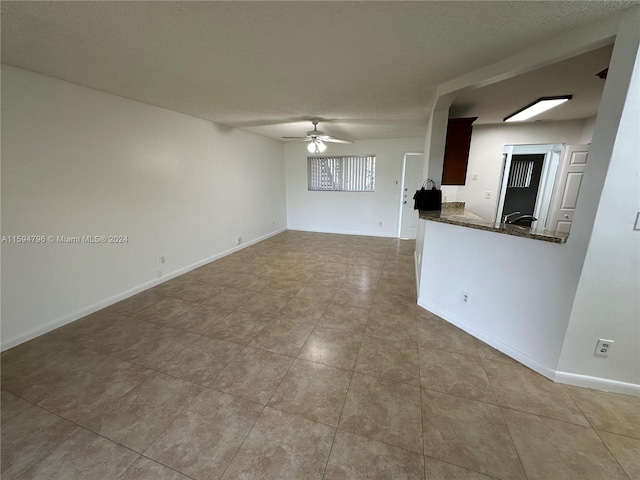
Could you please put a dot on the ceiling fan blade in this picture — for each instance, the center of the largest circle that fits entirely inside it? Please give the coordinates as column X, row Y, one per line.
column 331, row 139
column 316, row 135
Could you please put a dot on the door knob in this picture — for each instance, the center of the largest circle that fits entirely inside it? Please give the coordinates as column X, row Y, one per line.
column 404, row 203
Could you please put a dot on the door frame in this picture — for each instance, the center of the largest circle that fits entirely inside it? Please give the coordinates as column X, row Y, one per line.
column 552, row 154
column 404, row 170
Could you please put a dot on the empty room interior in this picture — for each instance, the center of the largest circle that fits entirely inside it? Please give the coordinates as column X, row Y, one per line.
column 320, row 240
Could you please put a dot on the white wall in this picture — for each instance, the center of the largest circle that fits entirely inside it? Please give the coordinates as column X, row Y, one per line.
column 357, row 213
column 76, row 161
column 587, row 131
column 523, row 291
column 485, row 159
column 434, row 144
column 607, row 301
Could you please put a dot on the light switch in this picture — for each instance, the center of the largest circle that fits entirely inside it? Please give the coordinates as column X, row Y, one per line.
column 474, row 176
column 487, row 195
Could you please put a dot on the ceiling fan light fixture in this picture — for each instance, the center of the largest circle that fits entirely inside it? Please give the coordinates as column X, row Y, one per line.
column 536, row 108
column 316, row 146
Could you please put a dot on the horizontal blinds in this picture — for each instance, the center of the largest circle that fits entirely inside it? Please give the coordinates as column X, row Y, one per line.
column 342, row 173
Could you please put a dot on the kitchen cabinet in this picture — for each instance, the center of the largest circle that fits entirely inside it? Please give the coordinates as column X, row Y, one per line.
column 456, row 150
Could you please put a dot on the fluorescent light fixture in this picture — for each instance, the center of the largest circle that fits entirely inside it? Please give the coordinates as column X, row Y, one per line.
column 536, row 108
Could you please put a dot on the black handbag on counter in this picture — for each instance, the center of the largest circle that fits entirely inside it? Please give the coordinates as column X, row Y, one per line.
column 428, row 199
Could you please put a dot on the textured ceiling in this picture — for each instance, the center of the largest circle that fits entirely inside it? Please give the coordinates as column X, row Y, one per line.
column 368, row 68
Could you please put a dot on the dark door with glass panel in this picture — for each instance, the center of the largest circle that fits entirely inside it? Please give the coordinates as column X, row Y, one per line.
column 522, row 186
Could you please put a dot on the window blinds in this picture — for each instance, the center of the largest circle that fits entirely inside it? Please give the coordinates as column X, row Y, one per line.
column 342, row 173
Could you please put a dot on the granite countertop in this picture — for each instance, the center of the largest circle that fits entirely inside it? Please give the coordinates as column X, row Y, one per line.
column 454, row 213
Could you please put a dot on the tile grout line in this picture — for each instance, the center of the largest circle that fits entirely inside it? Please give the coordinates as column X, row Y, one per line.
column 235, row 454
column 142, row 455
column 422, row 419
column 81, row 427
column 566, row 390
column 509, row 407
column 515, row 447
column 344, row 402
column 606, row 445
column 58, row 445
column 153, row 370
column 488, row 475
column 504, row 419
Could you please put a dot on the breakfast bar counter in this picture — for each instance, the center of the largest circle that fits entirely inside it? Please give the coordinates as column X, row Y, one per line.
column 454, row 213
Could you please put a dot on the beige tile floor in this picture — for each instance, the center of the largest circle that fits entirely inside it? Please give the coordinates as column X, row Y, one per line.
column 302, row 357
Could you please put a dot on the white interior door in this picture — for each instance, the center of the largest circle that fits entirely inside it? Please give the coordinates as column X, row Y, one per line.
column 411, row 182
column 567, row 188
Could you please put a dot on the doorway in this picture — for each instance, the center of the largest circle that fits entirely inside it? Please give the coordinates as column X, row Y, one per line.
column 527, row 181
column 411, row 181
column 522, row 185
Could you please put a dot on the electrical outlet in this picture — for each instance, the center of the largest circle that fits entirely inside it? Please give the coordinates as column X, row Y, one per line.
column 163, row 260
column 159, row 273
column 238, row 240
column 466, row 297
column 603, row 347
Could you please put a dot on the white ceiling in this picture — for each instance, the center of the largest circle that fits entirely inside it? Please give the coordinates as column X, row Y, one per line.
column 369, row 69
column 576, row 76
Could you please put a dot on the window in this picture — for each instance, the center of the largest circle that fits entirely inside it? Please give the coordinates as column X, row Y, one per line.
column 520, row 174
column 345, row 173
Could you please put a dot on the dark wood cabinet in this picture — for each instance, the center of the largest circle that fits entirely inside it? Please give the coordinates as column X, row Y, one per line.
column 456, row 151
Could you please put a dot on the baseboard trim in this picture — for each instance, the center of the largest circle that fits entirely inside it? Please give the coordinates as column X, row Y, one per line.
column 554, row 375
column 360, row 234
column 83, row 312
column 496, row 343
column 597, row 383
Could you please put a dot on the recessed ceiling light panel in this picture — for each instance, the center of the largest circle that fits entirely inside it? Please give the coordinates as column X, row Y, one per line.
column 536, row 108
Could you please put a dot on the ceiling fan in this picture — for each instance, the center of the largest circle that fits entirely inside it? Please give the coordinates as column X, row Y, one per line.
column 317, row 139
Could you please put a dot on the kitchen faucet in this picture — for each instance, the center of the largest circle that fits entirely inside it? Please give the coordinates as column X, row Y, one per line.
column 505, row 218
